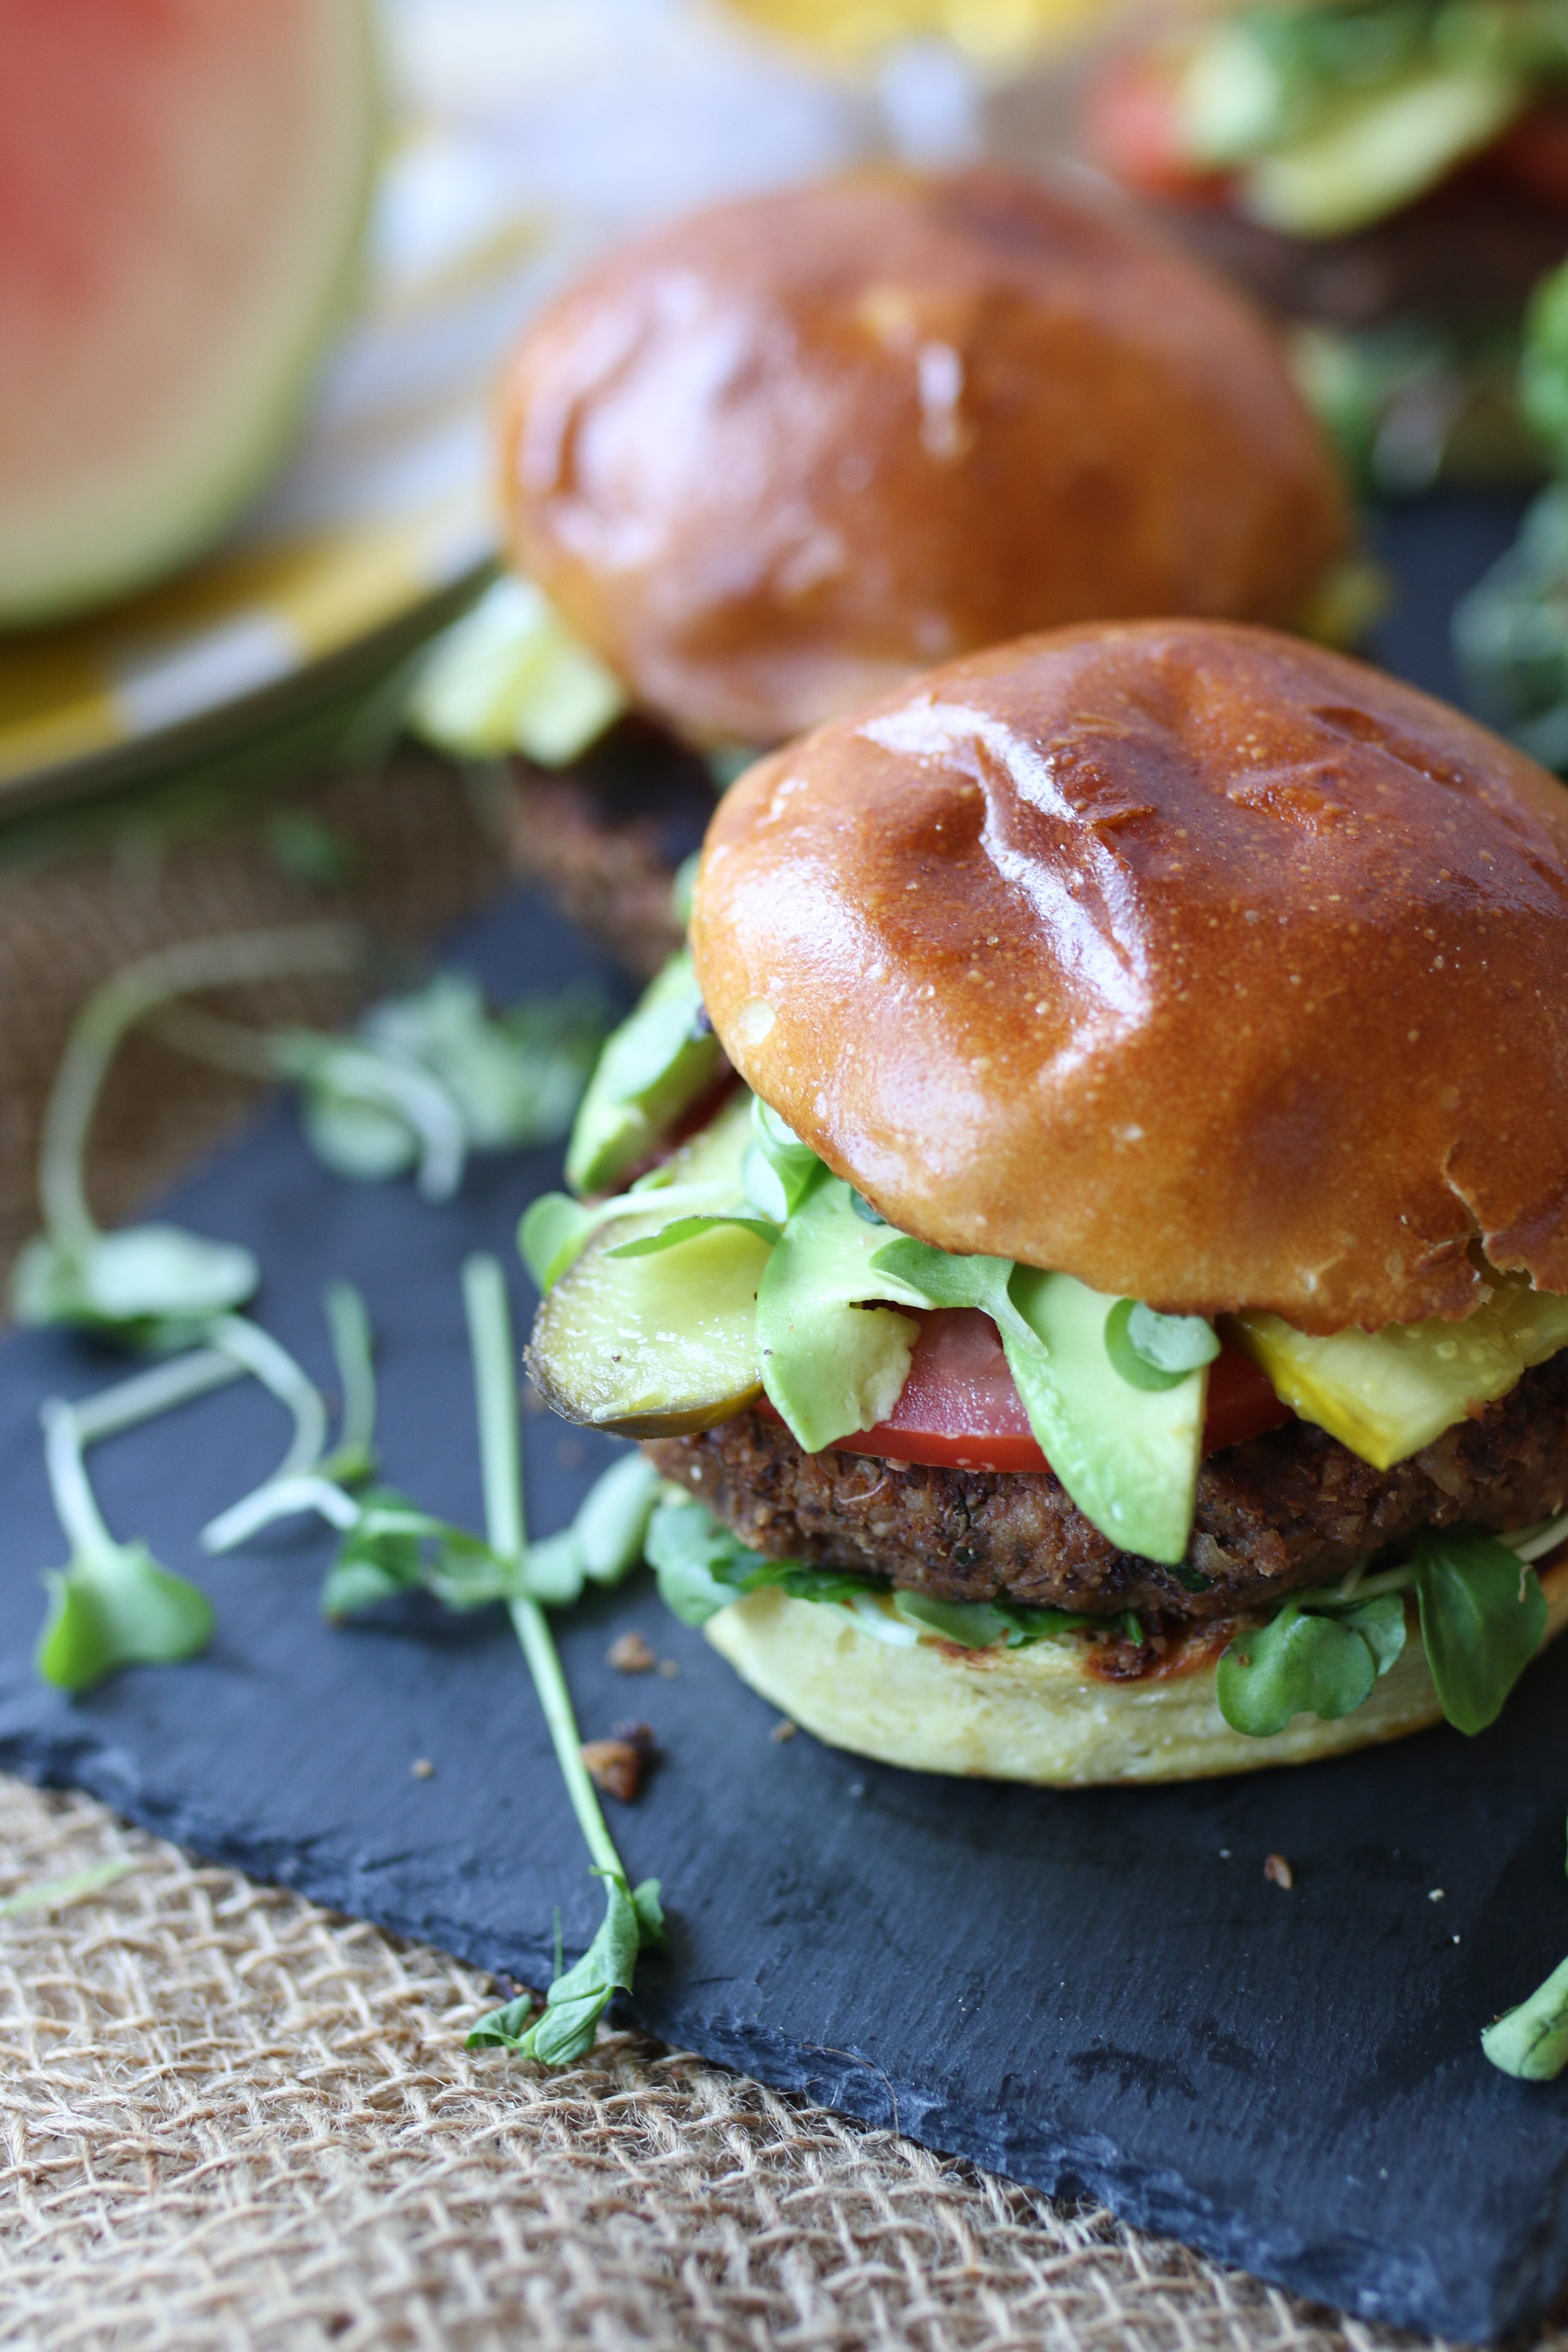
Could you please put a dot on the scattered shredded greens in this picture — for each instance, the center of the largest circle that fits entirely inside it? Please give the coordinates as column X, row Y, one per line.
column 428, row 1077
column 390, row 1546
column 148, row 1286
column 425, row 1080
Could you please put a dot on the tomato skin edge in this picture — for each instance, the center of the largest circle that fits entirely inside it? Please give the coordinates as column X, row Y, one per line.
column 1241, row 1405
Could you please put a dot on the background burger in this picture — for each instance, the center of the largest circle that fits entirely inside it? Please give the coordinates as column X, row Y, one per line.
column 1393, row 174
column 775, row 457
column 1152, row 1056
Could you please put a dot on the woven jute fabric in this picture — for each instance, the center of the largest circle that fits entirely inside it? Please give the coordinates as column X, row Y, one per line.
column 232, row 2120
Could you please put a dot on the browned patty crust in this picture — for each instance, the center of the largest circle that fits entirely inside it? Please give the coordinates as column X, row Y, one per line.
column 1290, row 1510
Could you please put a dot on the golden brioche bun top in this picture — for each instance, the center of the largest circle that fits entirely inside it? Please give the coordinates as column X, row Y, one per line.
column 775, row 457
column 1208, row 966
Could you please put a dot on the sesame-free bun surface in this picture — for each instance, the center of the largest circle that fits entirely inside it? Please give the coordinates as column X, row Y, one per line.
column 776, row 457
column 1210, row 967
column 1034, row 1714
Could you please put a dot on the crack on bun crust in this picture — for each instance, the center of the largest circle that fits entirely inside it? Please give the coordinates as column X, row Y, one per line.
column 1201, row 963
column 1278, row 1513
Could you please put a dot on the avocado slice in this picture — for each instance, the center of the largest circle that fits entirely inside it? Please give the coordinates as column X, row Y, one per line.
column 662, row 1059
column 659, row 1346
column 1127, row 1456
column 831, row 1364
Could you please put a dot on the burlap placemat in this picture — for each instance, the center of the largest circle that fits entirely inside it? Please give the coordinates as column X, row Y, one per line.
column 232, row 2120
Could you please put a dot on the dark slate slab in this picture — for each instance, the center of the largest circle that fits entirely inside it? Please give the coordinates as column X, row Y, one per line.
column 1097, row 1992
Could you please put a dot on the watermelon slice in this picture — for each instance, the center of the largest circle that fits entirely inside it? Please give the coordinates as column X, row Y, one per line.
column 183, row 187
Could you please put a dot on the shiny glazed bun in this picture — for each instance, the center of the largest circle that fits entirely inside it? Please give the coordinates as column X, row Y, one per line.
column 1205, row 965
column 775, row 457
column 1035, row 1715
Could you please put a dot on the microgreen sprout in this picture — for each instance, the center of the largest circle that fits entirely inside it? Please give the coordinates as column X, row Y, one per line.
column 149, row 1285
column 633, row 1918
column 556, row 1229
column 426, row 1079
column 1531, row 2042
column 778, row 1168
column 309, row 1477
column 1483, row 1617
column 113, row 1604
column 353, row 1351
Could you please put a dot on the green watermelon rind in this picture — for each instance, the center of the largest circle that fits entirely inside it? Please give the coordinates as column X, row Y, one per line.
column 225, row 496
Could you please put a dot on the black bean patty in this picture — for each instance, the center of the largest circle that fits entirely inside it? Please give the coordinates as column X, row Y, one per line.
column 1293, row 1508
column 605, row 835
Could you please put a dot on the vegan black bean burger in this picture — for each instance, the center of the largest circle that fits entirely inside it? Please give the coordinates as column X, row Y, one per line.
column 1116, row 1326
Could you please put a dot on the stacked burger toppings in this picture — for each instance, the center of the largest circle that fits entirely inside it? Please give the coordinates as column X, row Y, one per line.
column 1102, row 1218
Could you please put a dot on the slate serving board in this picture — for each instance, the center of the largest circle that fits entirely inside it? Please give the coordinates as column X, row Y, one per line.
column 1098, row 1992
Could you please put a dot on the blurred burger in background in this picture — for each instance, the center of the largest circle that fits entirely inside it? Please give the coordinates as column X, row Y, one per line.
column 777, row 456
column 1390, row 174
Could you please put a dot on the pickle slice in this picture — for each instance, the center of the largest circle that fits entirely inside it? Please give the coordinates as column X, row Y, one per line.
column 659, row 1346
column 1387, row 1393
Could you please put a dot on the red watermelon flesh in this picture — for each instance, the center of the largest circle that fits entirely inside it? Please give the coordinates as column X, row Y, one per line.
column 183, row 188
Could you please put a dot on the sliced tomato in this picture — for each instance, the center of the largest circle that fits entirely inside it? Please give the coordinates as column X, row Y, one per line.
column 961, row 1409
column 1534, row 154
column 1130, row 130
column 1241, row 1402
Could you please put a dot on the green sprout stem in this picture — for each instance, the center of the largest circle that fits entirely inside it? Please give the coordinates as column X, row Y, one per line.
column 374, row 1073
column 70, row 1429
column 258, row 1353
column 279, row 1499
column 494, row 1398
column 118, row 1006
column 176, row 1382
column 74, row 1500
column 348, row 1321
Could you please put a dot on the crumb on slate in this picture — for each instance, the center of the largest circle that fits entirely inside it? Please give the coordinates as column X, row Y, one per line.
column 668, row 1669
column 1436, row 1894
column 784, row 1728
column 422, row 1767
column 630, row 1655
column 1279, row 1872
column 619, row 1765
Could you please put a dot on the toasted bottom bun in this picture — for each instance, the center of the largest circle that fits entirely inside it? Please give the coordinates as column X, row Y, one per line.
column 1034, row 1714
